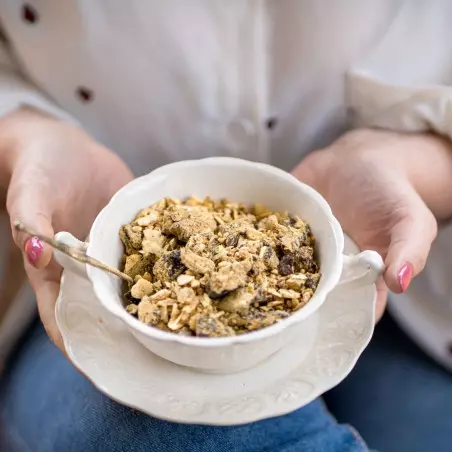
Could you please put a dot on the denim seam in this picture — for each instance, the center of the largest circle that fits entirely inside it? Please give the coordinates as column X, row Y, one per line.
column 349, row 427
column 357, row 436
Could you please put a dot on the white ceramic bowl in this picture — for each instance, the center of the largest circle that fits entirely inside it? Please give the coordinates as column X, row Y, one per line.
column 240, row 181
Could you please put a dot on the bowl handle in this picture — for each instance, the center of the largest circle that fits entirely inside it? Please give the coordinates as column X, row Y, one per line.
column 67, row 262
column 361, row 269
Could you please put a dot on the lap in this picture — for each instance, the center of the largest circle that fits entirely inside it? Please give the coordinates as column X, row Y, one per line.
column 46, row 406
column 397, row 397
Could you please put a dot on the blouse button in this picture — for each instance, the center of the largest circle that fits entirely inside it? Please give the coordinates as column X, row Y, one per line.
column 271, row 123
column 29, row 14
column 85, row 94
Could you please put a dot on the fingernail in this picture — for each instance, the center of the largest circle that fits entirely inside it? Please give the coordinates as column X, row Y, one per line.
column 405, row 276
column 33, row 250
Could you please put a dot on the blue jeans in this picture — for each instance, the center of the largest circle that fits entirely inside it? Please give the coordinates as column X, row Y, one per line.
column 396, row 397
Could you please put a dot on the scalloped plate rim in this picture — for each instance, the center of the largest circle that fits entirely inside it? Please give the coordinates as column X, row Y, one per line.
column 246, row 418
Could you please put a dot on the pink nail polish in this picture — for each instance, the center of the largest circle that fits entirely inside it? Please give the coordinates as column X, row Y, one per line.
column 405, row 276
column 33, row 250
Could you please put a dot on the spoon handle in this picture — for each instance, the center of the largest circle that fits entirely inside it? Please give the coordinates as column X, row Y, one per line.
column 72, row 252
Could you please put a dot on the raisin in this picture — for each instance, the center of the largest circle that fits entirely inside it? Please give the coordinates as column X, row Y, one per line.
column 312, row 280
column 232, row 240
column 169, row 266
column 287, row 265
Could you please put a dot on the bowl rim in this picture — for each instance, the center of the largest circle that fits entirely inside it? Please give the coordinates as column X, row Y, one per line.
column 163, row 336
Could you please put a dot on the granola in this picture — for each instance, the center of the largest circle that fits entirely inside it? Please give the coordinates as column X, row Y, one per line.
column 217, row 268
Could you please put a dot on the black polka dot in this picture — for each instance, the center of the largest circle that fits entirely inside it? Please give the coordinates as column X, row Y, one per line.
column 271, row 123
column 85, row 94
column 29, row 14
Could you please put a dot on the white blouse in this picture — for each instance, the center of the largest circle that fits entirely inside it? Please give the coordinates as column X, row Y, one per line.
column 266, row 80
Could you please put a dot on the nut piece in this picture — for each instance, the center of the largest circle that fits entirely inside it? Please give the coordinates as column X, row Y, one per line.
column 153, row 242
column 161, row 295
column 132, row 309
column 228, row 278
column 148, row 312
column 285, row 293
column 149, row 219
column 237, row 301
column 183, row 280
column 141, row 289
column 208, row 326
column 197, row 264
column 296, row 281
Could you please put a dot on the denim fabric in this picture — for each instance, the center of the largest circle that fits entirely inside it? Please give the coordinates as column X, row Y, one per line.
column 46, row 406
column 396, row 397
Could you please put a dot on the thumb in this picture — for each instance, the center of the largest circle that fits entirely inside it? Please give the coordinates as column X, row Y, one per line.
column 33, row 207
column 410, row 242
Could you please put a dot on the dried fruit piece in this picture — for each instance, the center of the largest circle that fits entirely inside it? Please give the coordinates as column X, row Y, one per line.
column 169, row 266
column 232, row 239
column 287, row 265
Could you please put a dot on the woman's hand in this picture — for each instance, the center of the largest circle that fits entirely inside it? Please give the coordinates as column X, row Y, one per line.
column 59, row 180
column 367, row 178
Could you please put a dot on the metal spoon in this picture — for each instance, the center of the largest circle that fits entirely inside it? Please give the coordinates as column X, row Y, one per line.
column 75, row 253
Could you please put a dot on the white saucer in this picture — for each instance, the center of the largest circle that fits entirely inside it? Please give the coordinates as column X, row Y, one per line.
column 107, row 354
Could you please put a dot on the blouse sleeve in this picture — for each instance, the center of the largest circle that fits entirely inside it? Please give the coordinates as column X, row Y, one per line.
column 404, row 82
column 401, row 108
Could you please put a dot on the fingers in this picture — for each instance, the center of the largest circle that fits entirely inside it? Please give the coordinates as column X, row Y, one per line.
column 32, row 204
column 46, row 285
column 410, row 242
column 382, row 297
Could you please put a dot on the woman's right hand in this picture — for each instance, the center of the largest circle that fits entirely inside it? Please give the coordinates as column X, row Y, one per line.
column 60, row 178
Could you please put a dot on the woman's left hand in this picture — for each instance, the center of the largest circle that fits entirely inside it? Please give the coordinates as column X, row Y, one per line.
column 370, row 193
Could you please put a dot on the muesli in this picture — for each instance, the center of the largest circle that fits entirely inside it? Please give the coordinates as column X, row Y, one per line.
column 217, row 268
